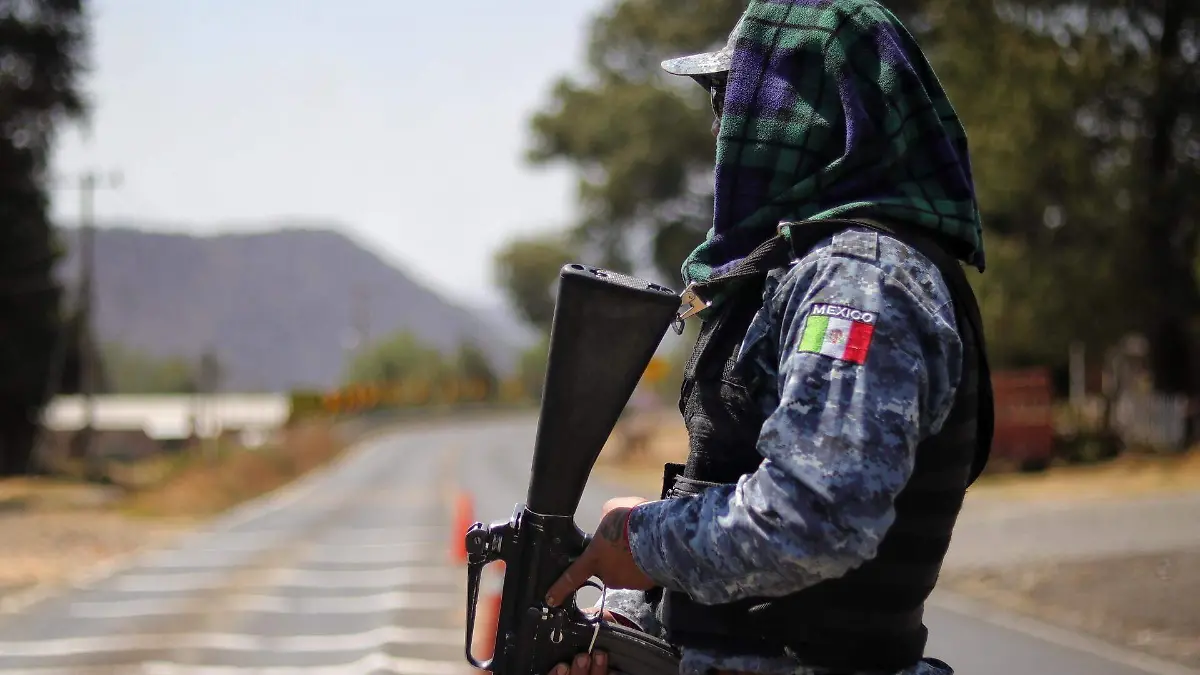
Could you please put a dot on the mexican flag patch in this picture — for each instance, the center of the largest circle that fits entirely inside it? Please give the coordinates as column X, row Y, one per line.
column 839, row 332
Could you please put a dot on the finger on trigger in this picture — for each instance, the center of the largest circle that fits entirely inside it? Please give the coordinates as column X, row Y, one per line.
column 566, row 583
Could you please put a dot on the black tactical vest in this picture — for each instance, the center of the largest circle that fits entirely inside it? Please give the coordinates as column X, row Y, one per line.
column 870, row 619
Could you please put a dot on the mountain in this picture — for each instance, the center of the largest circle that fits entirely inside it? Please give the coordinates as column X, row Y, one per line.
column 278, row 307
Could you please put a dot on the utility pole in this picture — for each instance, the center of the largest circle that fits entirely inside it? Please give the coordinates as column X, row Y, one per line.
column 88, row 182
column 208, row 373
column 1078, row 373
column 357, row 326
column 362, row 316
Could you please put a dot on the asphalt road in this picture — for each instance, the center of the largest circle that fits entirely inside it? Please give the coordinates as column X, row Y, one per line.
column 348, row 573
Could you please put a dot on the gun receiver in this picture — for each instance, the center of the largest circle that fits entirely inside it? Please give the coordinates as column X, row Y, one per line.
column 605, row 330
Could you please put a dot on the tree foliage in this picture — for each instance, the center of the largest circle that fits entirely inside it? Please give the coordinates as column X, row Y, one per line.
column 528, row 270
column 531, row 368
column 129, row 371
column 642, row 144
column 1086, row 142
column 399, row 357
column 403, row 360
column 1084, row 123
column 473, row 365
column 41, row 52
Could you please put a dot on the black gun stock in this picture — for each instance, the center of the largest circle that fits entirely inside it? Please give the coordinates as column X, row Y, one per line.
column 605, row 330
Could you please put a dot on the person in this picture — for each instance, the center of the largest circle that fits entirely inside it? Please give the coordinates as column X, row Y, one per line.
column 837, row 401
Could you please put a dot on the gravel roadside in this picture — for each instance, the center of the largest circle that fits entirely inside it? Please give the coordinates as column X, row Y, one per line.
column 1147, row 602
column 48, row 548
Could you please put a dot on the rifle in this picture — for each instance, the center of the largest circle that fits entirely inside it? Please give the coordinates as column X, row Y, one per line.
column 605, row 329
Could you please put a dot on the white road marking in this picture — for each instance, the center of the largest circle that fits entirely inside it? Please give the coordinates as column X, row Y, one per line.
column 369, row 445
column 270, row 604
column 391, row 546
column 343, row 537
column 395, row 553
column 372, row 640
column 372, row 663
column 381, row 553
column 389, row 534
column 384, row 579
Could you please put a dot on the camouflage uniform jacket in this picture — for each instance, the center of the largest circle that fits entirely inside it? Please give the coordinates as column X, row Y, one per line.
column 838, row 442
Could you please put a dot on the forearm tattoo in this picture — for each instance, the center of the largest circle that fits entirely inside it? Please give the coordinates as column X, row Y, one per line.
column 612, row 528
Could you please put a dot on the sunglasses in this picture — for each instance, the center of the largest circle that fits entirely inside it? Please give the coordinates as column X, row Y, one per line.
column 715, row 84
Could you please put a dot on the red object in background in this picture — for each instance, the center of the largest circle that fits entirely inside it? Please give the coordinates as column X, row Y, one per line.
column 1024, row 417
column 487, row 618
column 464, row 509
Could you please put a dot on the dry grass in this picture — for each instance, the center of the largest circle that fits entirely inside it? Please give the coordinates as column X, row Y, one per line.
column 43, row 494
column 45, row 547
column 1121, row 478
column 207, row 486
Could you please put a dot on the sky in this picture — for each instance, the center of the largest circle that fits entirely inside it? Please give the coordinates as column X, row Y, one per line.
column 401, row 123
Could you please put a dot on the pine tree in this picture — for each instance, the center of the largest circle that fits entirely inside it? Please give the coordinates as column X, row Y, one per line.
column 41, row 58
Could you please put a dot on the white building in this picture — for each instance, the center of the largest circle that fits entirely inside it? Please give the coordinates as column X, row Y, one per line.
column 254, row 417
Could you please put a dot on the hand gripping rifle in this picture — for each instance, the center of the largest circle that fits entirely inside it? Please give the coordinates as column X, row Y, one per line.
column 605, row 330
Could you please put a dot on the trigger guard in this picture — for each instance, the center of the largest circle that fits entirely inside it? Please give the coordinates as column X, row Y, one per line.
column 600, row 614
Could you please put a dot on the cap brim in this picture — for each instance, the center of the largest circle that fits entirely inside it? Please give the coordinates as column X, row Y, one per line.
column 700, row 64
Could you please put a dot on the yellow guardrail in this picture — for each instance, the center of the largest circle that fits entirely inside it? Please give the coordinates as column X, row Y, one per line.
column 367, row 397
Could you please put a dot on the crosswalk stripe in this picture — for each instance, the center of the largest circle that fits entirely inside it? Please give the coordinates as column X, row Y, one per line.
column 327, row 579
column 372, row 663
column 271, row 604
column 374, row 640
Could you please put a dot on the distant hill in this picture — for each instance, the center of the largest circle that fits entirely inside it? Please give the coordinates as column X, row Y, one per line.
column 278, row 307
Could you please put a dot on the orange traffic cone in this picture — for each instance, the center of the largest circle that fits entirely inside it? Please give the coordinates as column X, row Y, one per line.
column 464, row 518
column 487, row 617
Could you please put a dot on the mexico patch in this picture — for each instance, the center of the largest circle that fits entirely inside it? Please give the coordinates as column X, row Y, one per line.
column 839, row 332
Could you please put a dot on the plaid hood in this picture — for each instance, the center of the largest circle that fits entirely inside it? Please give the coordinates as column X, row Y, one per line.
column 832, row 110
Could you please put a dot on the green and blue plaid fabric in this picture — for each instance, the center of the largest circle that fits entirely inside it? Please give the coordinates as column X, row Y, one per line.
column 833, row 111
